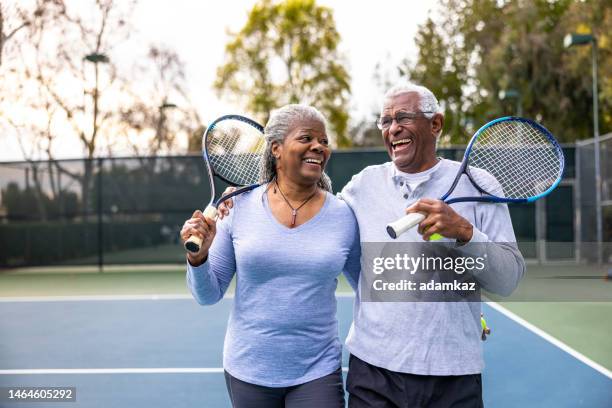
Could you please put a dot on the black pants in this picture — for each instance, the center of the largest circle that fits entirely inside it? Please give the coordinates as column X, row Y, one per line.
column 374, row 387
column 324, row 392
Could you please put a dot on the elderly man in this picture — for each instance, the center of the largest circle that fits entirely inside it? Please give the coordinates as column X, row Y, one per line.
column 422, row 354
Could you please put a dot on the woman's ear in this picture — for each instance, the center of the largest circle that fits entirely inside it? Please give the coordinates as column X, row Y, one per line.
column 277, row 148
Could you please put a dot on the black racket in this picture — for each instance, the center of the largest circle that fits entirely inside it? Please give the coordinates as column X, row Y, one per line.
column 232, row 148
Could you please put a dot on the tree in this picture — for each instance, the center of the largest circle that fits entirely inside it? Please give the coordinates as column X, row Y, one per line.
column 33, row 204
column 287, row 53
column 365, row 133
column 16, row 18
column 444, row 76
column 163, row 113
column 64, row 81
column 478, row 48
column 63, row 70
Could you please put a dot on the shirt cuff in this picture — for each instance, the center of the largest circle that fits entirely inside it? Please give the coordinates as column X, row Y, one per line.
column 473, row 247
column 199, row 275
column 478, row 236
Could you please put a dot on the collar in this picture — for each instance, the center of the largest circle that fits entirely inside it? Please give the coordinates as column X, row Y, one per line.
column 399, row 176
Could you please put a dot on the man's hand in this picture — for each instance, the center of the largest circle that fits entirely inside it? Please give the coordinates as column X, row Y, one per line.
column 224, row 207
column 202, row 227
column 441, row 219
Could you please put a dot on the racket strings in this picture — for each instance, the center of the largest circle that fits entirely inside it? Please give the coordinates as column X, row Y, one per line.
column 521, row 157
column 235, row 150
column 525, row 180
column 524, row 168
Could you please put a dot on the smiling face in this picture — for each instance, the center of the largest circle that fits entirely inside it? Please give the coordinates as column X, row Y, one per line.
column 411, row 145
column 304, row 152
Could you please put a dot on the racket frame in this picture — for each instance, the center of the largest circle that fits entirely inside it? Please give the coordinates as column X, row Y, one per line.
column 398, row 227
column 491, row 198
column 212, row 173
column 193, row 243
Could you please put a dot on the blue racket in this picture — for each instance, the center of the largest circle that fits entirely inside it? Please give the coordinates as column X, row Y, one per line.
column 232, row 148
column 508, row 160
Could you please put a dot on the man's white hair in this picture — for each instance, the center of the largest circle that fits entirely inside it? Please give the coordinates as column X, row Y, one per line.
column 427, row 100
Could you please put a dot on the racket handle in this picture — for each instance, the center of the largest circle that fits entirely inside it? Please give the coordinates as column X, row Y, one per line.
column 211, row 212
column 194, row 243
column 397, row 228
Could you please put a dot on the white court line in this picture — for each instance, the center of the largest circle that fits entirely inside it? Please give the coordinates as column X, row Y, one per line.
column 47, row 371
column 556, row 342
column 86, row 298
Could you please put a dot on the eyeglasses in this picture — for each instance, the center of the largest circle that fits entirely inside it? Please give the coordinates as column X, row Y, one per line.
column 402, row 118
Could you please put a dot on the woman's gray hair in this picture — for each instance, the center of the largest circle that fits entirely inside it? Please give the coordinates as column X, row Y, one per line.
column 279, row 125
column 427, row 100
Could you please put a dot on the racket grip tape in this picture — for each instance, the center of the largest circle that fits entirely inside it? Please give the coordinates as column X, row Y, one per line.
column 194, row 243
column 397, row 228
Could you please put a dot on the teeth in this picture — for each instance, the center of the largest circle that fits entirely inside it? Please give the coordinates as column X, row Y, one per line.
column 396, row 142
column 313, row 161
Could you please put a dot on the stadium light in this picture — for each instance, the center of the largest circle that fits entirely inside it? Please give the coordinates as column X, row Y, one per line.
column 512, row 94
column 577, row 39
column 585, row 39
column 97, row 58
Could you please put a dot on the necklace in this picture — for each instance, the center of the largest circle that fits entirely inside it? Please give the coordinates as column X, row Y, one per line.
column 293, row 210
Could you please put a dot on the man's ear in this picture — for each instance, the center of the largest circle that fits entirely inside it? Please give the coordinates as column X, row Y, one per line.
column 437, row 123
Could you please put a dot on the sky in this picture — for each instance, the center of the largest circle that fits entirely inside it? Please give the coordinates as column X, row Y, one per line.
column 371, row 32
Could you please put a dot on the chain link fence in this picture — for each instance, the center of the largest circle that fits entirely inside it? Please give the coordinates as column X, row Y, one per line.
column 586, row 200
column 112, row 211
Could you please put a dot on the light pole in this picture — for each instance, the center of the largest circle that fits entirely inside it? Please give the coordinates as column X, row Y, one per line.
column 96, row 58
column 512, row 94
column 160, row 122
column 585, row 39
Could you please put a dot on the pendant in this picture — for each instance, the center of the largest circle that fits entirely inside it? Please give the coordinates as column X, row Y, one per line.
column 294, row 215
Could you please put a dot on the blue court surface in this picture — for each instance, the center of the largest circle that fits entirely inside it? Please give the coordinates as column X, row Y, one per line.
column 167, row 352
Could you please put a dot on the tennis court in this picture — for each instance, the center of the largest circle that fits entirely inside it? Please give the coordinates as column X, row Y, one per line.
column 132, row 335
column 104, row 118
column 136, row 338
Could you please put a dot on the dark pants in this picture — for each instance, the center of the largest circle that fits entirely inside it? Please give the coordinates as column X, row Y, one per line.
column 324, row 392
column 374, row 387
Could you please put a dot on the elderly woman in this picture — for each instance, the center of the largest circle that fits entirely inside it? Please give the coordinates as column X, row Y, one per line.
column 286, row 241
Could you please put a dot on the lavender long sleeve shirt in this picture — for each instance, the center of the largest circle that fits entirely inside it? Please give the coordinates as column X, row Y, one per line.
column 282, row 329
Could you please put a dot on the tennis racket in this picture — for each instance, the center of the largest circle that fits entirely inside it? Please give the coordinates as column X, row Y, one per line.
column 523, row 157
column 232, row 148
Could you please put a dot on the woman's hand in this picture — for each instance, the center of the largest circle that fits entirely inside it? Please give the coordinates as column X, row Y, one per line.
column 202, row 227
column 225, row 206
